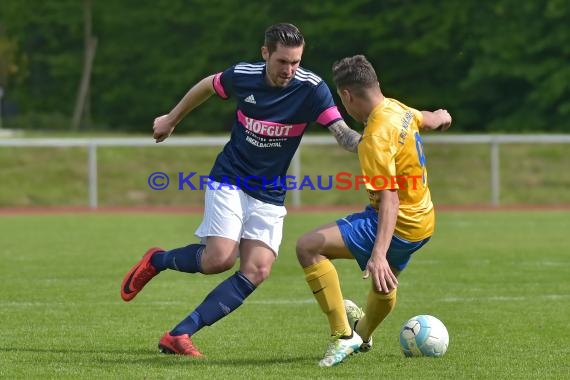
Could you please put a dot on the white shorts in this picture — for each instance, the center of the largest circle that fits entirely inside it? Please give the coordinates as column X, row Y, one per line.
column 233, row 214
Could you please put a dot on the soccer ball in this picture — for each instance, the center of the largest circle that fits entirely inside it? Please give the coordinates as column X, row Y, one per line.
column 424, row 335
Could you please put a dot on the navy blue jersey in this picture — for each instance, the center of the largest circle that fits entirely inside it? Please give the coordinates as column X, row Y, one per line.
column 269, row 123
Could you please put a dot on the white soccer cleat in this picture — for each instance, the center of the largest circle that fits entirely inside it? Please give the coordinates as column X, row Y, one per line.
column 354, row 314
column 338, row 349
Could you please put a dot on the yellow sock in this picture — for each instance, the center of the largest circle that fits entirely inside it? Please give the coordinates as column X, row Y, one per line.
column 378, row 306
column 323, row 281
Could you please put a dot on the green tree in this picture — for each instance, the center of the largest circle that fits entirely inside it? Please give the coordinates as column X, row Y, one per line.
column 49, row 36
column 497, row 66
column 520, row 78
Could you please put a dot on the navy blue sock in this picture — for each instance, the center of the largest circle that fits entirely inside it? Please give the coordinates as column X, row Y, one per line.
column 221, row 301
column 185, row 259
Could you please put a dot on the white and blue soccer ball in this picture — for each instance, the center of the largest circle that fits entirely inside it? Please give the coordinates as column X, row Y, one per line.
column 424, row 335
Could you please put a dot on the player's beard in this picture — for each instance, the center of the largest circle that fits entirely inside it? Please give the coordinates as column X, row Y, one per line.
column 278, row 80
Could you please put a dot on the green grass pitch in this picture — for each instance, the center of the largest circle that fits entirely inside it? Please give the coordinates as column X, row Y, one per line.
column 500, row 281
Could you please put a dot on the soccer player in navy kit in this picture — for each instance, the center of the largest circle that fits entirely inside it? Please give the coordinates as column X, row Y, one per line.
column 276, row 101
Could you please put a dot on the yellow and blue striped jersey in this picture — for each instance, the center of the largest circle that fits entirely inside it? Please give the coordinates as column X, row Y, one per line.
column 392, row 157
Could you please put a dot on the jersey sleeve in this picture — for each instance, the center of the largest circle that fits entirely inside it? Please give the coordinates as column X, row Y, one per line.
column 322, row 106
column 418, row 116
column 223, row 83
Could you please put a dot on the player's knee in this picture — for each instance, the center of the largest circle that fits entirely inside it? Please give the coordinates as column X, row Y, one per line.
column 219, row 266
column 262, row 274
column 217, row 261
column 258, row 274
column 306, row 247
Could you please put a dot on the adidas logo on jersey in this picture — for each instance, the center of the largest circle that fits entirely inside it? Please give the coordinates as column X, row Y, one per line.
column 250, row 99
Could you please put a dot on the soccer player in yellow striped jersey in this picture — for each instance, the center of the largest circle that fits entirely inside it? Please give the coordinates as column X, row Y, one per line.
column 391, row 151
column 398, row 221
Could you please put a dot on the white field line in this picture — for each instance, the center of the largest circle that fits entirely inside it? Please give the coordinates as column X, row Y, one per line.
column 533, row 263
column 548, row 297
column 43, row 304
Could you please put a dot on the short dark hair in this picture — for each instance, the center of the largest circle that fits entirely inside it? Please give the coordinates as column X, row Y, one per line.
column 285, row 34
column 355, row 73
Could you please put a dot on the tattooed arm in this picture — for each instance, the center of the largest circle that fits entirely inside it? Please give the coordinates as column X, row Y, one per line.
column 345, row 136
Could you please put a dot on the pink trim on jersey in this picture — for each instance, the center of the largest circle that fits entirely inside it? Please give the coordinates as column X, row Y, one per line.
column 270, row 128
column 218, row 86
column 328, row 116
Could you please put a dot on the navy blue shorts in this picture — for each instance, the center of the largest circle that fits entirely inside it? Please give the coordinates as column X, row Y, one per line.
column 359, row 234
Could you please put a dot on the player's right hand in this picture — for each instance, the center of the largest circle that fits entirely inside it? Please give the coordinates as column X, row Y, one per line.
column 383, row 278
column 162, row 128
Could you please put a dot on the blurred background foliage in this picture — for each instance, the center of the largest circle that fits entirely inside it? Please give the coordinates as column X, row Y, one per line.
column 500, row 66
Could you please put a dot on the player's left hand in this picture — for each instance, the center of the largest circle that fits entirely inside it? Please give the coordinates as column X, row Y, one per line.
column 382, row 276
column 445, row 119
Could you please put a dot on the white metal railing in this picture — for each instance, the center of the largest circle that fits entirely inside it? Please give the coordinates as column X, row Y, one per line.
column 92, row 144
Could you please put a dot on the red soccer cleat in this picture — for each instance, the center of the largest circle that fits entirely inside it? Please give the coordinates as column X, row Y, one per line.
column 139, row 275
column 178, row 345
